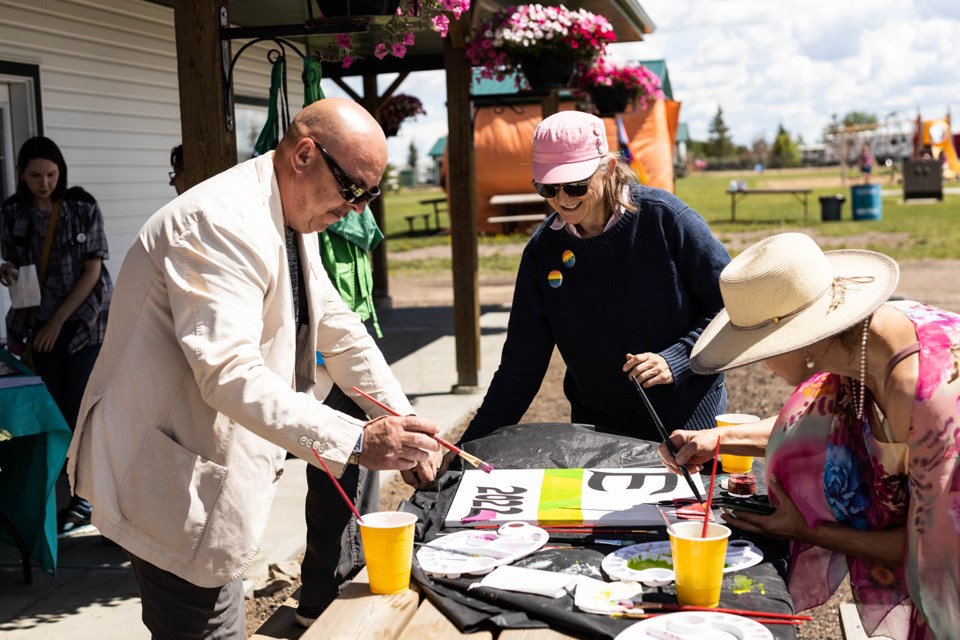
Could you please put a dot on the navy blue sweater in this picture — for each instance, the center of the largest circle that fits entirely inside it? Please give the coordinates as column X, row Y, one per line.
column 648, row 284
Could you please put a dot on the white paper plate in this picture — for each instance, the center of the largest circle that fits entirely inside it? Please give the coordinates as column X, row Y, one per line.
column 696, row 625
column 740, row 555
column 490, row 549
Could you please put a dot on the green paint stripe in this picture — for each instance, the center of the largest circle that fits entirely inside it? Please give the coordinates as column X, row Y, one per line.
column 560, row 497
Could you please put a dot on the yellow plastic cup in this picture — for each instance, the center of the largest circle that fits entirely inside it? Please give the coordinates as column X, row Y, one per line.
column 388, row 548
column 732, row 463
column 698, row 562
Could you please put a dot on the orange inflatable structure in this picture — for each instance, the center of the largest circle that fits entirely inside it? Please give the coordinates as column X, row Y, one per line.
column 503, row 141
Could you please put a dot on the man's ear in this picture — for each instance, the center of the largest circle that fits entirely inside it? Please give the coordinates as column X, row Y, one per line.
column 303, row 155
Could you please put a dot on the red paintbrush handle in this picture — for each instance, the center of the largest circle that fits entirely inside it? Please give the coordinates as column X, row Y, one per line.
column 375, row 401
column 713, row 481
column 457, row 450
column 737, row 612
column 336, row 483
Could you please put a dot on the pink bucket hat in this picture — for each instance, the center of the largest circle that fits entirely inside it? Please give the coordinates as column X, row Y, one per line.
column 567, row 147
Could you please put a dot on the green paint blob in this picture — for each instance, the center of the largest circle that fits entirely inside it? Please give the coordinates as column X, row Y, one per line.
column 743, row 584
column 639, row 563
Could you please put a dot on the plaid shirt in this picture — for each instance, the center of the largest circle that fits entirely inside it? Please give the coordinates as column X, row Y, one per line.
column 79, row 236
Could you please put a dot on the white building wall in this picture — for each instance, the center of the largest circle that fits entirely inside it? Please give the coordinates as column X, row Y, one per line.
column 110, row 98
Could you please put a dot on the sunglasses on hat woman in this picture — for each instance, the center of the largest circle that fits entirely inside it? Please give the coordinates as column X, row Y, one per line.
column 576, row 189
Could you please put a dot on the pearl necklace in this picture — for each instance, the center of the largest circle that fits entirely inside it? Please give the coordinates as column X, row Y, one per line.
column 863, row 368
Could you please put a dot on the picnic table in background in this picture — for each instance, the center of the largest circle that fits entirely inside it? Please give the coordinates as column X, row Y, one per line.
column 439, row 204
column 738, row 194
column 518, row 208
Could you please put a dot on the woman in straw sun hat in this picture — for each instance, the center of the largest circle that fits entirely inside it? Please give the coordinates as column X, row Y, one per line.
column 622, row 278
column 862, row 459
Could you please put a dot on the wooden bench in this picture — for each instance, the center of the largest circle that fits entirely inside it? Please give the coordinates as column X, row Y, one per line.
column 517, row 208
column 412, row 217
column 510, row 222
column 439, row 206
column 738, row 194
column 850, row 625
column 358, row 614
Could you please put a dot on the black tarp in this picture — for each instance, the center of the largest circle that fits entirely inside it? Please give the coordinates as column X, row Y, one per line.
column 574, row 446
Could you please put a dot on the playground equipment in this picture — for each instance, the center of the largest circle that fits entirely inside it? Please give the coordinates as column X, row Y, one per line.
column 937, row 136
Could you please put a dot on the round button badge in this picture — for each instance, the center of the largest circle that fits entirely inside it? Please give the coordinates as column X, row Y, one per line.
column 555, row 278
column 568, row 258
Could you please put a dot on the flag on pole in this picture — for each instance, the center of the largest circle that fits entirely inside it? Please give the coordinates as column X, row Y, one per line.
column 627, row 155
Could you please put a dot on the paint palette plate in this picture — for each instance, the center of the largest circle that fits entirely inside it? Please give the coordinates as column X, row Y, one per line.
column 740, row 555
column 480, row 552
column 694, row 625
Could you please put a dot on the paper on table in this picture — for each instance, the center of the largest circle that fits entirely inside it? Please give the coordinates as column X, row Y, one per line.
column 535, row 581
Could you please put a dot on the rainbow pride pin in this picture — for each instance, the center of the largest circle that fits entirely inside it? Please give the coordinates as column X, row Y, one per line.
column 555, row 278
column 568, row 258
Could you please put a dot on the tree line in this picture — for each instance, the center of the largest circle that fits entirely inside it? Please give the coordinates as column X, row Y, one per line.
column 721, row 152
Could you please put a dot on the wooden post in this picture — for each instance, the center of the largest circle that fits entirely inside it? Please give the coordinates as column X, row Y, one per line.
column 462, row 190
column 381, row 283
column 550, row 103
column 209, row 147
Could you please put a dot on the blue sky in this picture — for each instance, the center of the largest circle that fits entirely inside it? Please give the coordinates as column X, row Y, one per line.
column 771, row 62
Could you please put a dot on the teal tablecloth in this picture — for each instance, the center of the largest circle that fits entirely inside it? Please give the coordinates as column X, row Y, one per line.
column 30, row 464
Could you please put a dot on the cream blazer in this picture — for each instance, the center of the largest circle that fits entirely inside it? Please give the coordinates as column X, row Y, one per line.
column 192, row 404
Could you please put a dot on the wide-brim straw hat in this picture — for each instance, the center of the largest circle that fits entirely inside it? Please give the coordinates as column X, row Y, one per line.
column 785, row 293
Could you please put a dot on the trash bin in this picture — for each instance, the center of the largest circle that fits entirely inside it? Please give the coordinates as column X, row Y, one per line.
column 866, row 201
column 831, row 206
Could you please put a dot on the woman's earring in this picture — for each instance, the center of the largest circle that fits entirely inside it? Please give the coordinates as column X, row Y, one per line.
column 807, row 359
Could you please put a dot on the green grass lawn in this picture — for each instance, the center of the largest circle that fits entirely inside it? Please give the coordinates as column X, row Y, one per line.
column 906, row 231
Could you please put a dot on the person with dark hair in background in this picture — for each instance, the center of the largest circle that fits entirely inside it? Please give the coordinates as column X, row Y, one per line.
column 622, row 279
column 60, row 231
column 176, row 175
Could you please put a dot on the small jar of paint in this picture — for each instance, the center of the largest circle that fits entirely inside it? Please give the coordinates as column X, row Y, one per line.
column 742, row 484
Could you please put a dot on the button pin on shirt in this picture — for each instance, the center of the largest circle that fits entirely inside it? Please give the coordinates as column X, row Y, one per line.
column 81, row 237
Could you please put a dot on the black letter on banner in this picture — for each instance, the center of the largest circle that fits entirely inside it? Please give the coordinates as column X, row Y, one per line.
column 597, row 478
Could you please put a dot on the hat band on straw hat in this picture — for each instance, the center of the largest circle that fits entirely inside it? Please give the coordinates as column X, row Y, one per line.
column 838, row 293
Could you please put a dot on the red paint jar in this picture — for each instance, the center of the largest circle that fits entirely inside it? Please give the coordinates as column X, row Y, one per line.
column 742, row 484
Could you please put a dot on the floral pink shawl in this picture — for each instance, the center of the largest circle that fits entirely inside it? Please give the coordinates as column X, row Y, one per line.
column 871, row 485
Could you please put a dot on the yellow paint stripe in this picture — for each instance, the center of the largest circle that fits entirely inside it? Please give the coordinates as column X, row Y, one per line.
column 560, row 494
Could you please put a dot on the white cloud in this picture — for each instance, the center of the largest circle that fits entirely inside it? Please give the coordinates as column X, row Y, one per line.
column 768, row 63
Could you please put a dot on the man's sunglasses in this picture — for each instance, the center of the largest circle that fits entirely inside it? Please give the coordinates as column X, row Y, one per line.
column 349, row 190
column 575, row 189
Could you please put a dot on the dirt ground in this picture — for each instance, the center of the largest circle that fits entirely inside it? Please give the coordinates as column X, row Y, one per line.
column 751, row 389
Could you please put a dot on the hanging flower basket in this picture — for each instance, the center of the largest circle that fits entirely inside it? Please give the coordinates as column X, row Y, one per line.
column 341, row 8
column 396, row 110
column 607, row 81
column 534, row 38
column 609, row 101
column 547, row 72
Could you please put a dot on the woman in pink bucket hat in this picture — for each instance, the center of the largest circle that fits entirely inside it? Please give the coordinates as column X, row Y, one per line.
column 621, row 278
column 863, row 459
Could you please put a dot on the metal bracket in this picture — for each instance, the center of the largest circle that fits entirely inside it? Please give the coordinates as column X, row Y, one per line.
column 272, row 33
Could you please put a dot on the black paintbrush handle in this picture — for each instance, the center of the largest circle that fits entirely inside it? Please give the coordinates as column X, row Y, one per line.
column 665, row 436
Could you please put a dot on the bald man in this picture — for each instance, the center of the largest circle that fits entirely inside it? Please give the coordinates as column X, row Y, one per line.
column 208, row 374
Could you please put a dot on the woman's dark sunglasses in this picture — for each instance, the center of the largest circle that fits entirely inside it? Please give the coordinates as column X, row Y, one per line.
column 349, row 190
column 575, row 189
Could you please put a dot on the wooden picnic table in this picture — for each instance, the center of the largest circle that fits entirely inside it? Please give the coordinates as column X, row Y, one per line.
column 738, row 194
column 517, row 208
column 435, row 203
column 357, row 613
